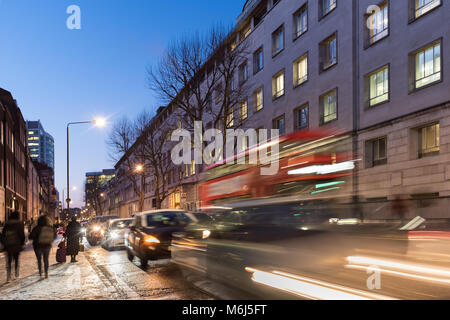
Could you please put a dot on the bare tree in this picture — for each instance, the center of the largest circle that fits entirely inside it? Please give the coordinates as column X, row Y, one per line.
column 93, row 194
column 129, row 156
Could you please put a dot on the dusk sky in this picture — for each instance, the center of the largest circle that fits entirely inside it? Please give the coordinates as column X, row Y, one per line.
column 59, row 75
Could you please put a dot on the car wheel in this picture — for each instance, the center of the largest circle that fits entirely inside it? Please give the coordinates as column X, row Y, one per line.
column 130, row 255
column 144, row 262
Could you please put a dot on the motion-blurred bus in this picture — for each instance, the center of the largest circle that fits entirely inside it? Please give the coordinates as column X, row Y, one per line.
column 311, row 163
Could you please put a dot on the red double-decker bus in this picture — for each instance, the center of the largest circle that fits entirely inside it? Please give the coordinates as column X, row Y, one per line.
column 309, row 163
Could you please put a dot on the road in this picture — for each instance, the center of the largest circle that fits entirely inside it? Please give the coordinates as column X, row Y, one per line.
column 98, row 275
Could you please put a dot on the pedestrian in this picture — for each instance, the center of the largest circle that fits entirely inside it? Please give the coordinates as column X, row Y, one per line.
column 13, row 240
column 43, row 236
column 73, row 234
column 61, row 252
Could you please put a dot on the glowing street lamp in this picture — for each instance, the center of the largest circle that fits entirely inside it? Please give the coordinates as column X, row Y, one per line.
column 139, row 168
column 100, row 122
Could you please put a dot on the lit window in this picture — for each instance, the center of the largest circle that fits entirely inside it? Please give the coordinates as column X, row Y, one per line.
column 429, row 140
column 278, row 85
column 379, row 86
column 278, row 41
column 301, row 70
column 192, row 167
column 243, row 109
column 258, row 99
column 329, row 107
column 245, row 32
column 428, row 65
column 424, row 6
column 378, row 24
column 230, row 117
column 186, row 170
column 300, row 22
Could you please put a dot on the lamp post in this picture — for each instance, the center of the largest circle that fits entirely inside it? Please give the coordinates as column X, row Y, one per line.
column 99, row 123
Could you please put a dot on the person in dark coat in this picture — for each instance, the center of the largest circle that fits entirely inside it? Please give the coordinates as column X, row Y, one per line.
column 43, row 236
column 73, row 234
column 13, row 240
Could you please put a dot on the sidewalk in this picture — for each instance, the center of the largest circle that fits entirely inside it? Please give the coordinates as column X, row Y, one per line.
column 67, row 281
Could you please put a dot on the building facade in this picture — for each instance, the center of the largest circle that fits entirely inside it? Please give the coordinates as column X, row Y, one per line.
column 41, row 144
column 374, row 70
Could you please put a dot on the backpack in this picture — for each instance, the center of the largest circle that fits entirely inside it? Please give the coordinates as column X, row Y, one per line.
column 46, row 236
column 11, row 238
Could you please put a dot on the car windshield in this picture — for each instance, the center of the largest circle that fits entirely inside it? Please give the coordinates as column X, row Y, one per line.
column 122, row 224
column 164, row 219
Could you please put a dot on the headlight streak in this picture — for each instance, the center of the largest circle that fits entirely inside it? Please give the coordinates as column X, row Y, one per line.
column 310, row 288
column 324, row 169
column 400, row 269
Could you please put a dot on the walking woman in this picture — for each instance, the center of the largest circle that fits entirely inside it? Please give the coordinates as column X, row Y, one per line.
column 13, row 239
column 43, row 236
column 73, row 234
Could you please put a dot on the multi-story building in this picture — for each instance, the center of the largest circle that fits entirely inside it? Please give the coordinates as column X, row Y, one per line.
column 34, row 186
column 374, row 70
column 14, row 160
column 41, row 144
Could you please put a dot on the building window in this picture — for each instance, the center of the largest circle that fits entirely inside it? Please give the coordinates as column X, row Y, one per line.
column 243, row 73
column 329, row 106
column 218, row 93
column 230, row 117
column 424, row 6
column 326, row 6
column 258, row 60
column 278, row 41
column 328, row 52
column 278, row 85
column 300, row 21
column 245, row 32
column 192, row 167
column 429, row 140
column 279, row 124
column 378, row 24
column 428, row 65
column 258, row 99
column 301, row 70
column 376, row 152
column 379, row 86
column 186, row 170
column 243, row 109
column 301, row 116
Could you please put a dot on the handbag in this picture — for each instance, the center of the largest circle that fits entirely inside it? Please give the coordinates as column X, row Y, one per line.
column 81, row 247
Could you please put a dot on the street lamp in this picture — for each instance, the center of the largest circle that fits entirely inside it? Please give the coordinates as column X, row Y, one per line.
column 99, row 123
column 139, row 168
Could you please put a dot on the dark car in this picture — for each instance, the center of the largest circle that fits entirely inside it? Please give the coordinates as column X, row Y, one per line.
column 151, row 233
column 264, row 249
column 96, row 228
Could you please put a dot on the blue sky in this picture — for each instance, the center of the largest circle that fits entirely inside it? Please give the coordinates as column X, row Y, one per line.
column 59, row 75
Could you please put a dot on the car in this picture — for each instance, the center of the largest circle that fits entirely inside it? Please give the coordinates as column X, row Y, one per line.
column 115, row 233
column 151, row 232
column 96, row 228
column 253, row 248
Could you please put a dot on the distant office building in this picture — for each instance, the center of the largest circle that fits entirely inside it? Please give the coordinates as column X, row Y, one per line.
column 41, row 144
column 103, row 176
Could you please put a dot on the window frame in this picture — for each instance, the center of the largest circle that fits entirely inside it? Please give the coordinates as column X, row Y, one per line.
column 243, row 72
column 297, row 110
column 322, row 107
column 324, row 47
column 367, row 86
column 412, row 66
column 295, row 70
column 412, row 11
column 255, row 60
column 240, row 109
column 274, row 81
column 322, row 15
column 275, row 121
column 295, row 15
column 276, row 53
column 255, row 100
column 367, row 37
column 422, row 153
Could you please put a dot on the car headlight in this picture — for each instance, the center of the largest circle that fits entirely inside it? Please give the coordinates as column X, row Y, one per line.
column 114, row 235
column 83, row 230
column 102, row 232
column 96, row 228
column 206, row 234
column 151, row 240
